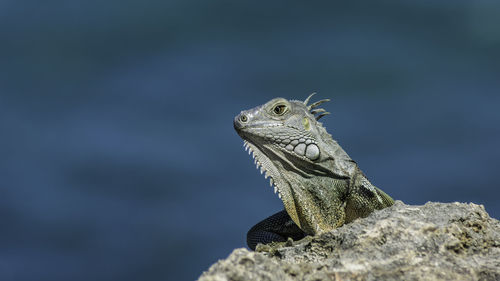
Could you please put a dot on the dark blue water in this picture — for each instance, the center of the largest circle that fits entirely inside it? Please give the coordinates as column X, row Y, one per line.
column 118, row 156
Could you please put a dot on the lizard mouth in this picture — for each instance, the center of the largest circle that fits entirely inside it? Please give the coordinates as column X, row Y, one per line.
column 294, row 142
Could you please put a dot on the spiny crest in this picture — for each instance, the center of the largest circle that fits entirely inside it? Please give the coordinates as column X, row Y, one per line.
column 312, row 107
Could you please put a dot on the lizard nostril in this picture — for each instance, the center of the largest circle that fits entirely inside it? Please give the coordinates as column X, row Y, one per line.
column 243, row 118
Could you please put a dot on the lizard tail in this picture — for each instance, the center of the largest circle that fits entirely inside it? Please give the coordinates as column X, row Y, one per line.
column 387, row 200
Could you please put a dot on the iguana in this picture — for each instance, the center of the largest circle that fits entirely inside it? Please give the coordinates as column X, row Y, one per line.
column 321, row 187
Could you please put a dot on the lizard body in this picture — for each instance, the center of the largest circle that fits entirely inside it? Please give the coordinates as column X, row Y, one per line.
column 321, row 187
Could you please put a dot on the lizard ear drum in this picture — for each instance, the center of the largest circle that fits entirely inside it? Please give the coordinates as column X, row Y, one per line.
column 306, row 123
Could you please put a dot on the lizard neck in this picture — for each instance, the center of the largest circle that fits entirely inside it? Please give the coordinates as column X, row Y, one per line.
column 318, row 193
column 315, row 203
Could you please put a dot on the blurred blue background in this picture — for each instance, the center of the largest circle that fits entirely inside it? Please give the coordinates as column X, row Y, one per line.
column 118, row 156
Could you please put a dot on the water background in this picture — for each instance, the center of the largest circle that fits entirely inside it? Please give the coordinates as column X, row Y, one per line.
column 118, row 156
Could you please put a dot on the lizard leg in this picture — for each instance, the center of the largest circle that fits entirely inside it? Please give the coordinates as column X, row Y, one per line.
column 276, row 228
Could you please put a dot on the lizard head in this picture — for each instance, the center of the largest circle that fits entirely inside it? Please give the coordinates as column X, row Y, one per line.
column 291, row 147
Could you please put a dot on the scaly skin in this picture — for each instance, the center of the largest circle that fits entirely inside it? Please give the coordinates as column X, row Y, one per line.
column 321, row 187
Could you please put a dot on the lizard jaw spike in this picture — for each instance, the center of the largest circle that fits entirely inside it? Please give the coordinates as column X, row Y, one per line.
column 262, row 164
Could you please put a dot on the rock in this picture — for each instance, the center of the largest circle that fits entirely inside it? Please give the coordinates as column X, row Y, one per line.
column 436, row 241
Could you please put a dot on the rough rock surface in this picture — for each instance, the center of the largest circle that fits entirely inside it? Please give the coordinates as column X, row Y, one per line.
column 436, row 241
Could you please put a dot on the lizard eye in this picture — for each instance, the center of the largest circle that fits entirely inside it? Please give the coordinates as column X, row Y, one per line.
column 280, row 109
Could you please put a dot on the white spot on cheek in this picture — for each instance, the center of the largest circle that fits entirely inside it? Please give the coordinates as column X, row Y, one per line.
column 312, row 151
